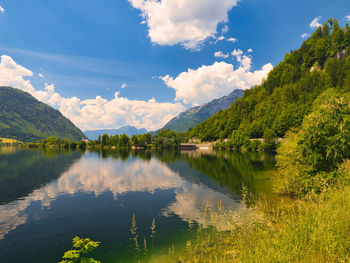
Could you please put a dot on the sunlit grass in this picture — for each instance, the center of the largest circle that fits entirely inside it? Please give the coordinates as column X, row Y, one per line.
column 8, row 141
column 312, row 230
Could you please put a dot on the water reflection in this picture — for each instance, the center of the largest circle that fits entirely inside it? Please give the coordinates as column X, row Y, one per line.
column 182, row 182
column 22, row 171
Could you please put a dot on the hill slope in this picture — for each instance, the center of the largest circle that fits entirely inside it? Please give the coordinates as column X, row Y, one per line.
column 128, row 130
column 282, row 101
column 191, row 117
column 24, row 118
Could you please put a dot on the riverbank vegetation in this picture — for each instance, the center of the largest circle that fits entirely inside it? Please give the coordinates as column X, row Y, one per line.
column 309, row 222
column 306, row 99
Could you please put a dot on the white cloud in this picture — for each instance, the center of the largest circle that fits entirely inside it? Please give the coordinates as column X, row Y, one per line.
column 315, row 23
column 305, row 35
column 185, row 22
column 93, row 113
column 221, row 38
column 250, row 50
column 220, row 54
column 232, row 39
column 2, row 10
column 200, row 86
column 348, row 17
column 124, row 85
column 224, row 30
column 40, row 75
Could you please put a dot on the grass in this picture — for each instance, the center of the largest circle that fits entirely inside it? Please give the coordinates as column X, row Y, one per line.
column 8, row 141
column 316, row 229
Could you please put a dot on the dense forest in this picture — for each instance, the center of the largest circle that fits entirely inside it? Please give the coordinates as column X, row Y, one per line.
column 24, row 118
column 286, row 96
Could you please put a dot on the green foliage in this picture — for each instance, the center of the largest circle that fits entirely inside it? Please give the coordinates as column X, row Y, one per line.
column 255, row 146
column 24, row 118
column 81, row 247
column 281, row 102
column 105, row 139
column 269, row 140
column 240, row 138
column 82, row 145
column 310, row 157
column 124, row 141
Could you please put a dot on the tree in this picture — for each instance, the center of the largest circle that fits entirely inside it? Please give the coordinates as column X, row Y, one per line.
column 239, row 138
column 105, row 139
column 310, row 157
column 124, row 141
column 269, row 140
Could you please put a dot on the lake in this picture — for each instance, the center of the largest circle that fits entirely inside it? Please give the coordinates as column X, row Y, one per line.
column 47, row 197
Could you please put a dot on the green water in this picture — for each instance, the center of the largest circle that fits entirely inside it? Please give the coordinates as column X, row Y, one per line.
column 48, row 197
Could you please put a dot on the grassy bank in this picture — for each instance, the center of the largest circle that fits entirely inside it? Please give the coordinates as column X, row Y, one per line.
column 316, row 229
column 310, row 221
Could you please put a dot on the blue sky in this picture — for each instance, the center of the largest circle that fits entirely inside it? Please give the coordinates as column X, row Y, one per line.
column 89, row 48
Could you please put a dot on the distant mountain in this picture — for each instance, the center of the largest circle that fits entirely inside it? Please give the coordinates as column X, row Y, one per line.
column 282, row 101
column 196, row 115
column 24, row 118
column 128, row 130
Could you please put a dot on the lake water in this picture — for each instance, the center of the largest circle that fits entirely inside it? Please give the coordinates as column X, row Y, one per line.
column 48, row 197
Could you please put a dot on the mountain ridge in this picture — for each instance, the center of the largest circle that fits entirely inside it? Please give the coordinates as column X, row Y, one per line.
column 128, row 130
column 193, row 116
column 286, row 96
column 24, row 118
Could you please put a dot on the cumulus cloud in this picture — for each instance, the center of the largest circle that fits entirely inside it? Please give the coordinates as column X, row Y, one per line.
column 196, row 87
column 232, row 39
column 93, row 113
column 2, row 10
column 315, row 23
column 185, row 22
column 348, row 17
column 250, row 50
column 305, row 35
column 124, row 85
column 220, row 54
column 41, row 75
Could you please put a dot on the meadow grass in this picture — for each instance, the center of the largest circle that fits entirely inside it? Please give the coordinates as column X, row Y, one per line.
column 315, row 229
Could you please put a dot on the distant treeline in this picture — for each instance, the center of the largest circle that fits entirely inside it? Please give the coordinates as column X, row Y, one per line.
column 164, row 139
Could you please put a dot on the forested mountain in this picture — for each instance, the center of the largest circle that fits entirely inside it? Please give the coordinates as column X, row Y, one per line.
column 286, row 96
column 128, row 130
column 24, row 118
column 191, row 117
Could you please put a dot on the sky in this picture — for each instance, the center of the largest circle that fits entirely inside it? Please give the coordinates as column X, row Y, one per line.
column 111, row 63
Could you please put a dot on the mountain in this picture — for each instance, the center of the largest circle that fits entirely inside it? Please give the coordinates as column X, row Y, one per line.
column 24, row 118
column 191, row 117
column 286, row 96
column 128, row 130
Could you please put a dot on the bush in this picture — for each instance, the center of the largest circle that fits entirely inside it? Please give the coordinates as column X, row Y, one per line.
column 310, row 157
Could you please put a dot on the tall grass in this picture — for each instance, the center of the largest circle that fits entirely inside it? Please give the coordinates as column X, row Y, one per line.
column 316, row 229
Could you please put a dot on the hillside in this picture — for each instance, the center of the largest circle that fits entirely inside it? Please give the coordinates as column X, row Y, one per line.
column 128, row 130
column 191, row 117
column 24, row 118
column 282, row 101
